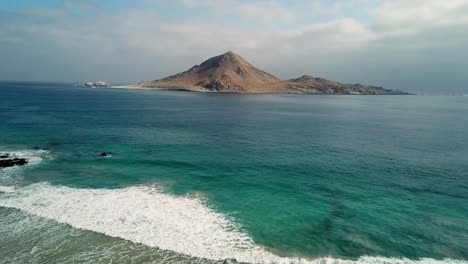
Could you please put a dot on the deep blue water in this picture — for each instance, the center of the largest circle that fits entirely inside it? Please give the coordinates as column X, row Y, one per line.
column 257, row 178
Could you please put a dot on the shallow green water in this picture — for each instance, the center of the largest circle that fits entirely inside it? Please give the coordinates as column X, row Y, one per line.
column 294, row 176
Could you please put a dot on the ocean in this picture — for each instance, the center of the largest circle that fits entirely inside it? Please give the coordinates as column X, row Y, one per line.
column 231, row 178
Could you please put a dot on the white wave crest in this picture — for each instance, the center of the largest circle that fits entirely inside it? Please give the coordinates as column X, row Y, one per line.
column 7, row 189
column 148, row 216
column 34, row 157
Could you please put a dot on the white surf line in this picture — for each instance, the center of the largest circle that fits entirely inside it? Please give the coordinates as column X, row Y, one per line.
column 148, row 216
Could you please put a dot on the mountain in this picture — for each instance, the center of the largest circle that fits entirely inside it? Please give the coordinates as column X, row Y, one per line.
column 224, row 73
column 229, row 72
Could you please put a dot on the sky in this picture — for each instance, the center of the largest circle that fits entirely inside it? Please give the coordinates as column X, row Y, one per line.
column 411, row 45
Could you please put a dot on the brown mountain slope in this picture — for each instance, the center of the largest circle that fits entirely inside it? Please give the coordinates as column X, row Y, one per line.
column 231, row 73
column 224, row 73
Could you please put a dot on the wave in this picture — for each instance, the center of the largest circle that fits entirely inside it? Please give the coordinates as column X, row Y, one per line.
column 34, row 157
column 7, row 189
column 146, row 215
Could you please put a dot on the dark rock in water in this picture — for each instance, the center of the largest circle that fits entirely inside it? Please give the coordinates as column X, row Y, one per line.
column 12, row 162
column 39, row 148
column 4, row 156
column 105, row 154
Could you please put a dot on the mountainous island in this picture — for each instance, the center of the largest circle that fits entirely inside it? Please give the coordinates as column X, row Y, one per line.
column 230, row 73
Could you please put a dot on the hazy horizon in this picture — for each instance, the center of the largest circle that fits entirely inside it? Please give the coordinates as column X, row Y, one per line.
column 407, row 45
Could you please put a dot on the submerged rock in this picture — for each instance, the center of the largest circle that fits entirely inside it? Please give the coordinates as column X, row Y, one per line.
column 105, row 154
column 12, row 162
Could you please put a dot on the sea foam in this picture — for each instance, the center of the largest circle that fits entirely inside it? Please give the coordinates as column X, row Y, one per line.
column 34, row 157
column 147, row 215
column 7, row 189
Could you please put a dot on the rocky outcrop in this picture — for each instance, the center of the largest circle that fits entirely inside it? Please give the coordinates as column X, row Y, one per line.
column 95, row 84
column 309, row 84
column 5, row 163
column 231, row 73
column 106, row 155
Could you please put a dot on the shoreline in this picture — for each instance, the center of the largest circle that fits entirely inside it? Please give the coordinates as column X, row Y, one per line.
column 155, row 88
column 218, row 92
column 128, row 87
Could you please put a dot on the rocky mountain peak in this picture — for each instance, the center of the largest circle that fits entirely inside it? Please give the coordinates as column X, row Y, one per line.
column 229, row 72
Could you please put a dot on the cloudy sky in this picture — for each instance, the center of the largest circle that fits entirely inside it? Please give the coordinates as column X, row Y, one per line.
column 414, row 45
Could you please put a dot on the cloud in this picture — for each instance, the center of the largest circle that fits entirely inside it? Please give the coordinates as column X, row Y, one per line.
column 264, row 11
column 397, row 44
column 419, row 13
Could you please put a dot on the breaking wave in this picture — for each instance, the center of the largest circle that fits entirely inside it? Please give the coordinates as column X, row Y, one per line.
column 34, row 157
column 146, row 215
column 10, row 175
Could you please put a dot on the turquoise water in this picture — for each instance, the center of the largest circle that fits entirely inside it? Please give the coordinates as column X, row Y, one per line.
column 213, row 177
